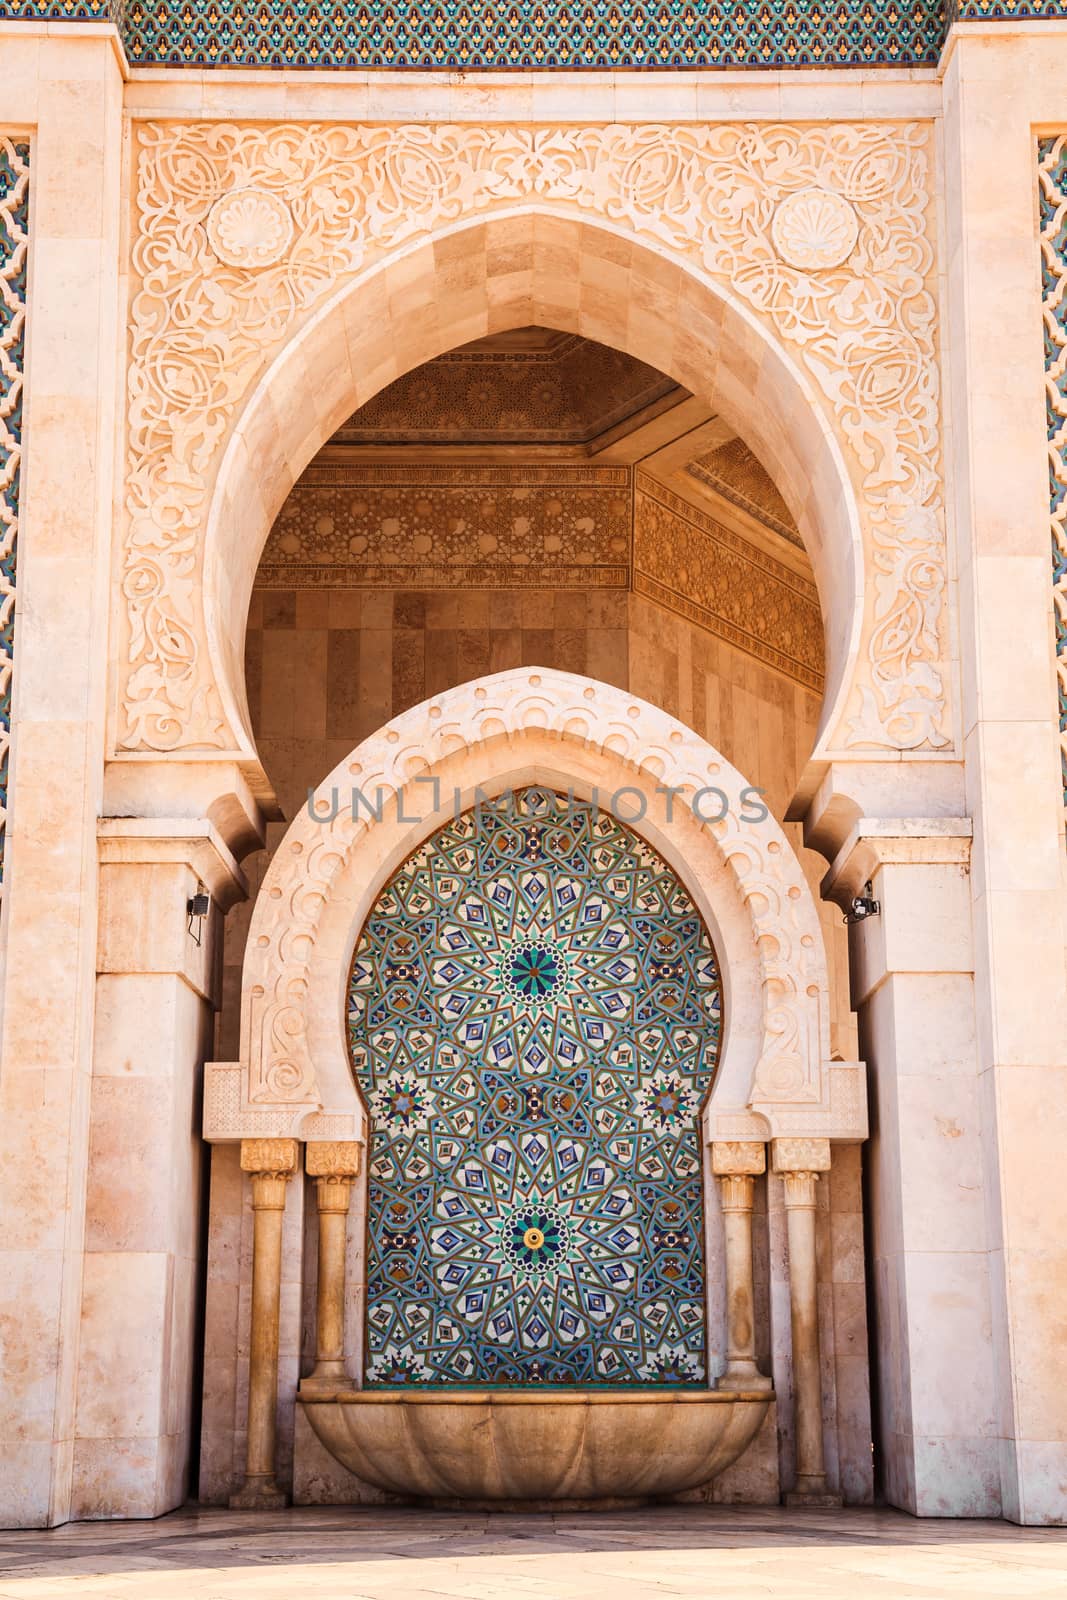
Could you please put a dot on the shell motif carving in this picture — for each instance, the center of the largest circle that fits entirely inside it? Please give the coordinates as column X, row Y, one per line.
column 824, row 231
column 249, row 228
column 814, row 229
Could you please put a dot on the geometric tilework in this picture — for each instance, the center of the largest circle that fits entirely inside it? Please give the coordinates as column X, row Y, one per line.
column 527, row 34
column 534, row 1021
column 530, row 34
column 1052, row 198
column 64, row 10
column 14, row 246
column 1007, row 10
column 449, row 34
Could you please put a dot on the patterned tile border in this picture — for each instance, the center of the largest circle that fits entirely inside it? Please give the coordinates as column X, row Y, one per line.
column 1052, row 171
column 14, row 241
column 589, row 34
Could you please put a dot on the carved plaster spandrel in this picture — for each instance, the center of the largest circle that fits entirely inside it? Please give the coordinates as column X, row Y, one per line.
column 204, row 322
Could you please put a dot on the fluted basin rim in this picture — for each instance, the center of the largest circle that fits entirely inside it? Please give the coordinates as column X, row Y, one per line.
column 579, row 1447
column 533, row 1397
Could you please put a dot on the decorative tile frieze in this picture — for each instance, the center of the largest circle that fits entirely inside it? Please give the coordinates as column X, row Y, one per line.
column 648, row 34
column 1052, row 172
column 14, row 247
column 436, row 527
column 64, row 11
column 688, row 562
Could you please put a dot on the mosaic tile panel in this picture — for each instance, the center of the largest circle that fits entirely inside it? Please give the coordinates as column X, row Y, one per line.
column 1007, row 10
column 64, row 10
column 1052, row 171
column 14, row 245
column 525, row 34
column 449, row 35
column 534, row 1019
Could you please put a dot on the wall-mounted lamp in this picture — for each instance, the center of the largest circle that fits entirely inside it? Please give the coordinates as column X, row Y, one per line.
column 198, row 906
column 862, row 906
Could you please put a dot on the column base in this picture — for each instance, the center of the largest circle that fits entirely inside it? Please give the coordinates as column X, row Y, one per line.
column 815, row 1498
column 744, row 1376
column 324, row 1380
column 259, row 1494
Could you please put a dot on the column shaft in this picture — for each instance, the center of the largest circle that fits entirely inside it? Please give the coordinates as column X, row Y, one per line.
column 271, row 1162
column 333, row 1165
column 736, row 1166
column 804, row 1321
column 798, row 1162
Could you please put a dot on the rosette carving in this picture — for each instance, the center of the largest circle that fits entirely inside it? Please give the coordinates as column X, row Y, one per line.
column 763, row 209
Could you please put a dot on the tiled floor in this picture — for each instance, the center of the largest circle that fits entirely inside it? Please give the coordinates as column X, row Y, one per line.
column 349, row 1554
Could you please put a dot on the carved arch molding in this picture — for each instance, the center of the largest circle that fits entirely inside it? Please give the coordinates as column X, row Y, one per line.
column 775, row 1077
column 823, row 233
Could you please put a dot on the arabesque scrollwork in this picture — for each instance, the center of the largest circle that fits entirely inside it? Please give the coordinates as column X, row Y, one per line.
column 864, row 329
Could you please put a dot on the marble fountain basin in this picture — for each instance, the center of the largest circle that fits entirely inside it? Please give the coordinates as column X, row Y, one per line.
column 551, row 1447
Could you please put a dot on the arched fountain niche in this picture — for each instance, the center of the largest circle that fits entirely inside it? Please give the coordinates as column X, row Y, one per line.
column 354, row 1005
column 534, row 1022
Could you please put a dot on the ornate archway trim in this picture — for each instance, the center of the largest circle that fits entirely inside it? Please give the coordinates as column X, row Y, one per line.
column 276, row 1087
column 822, row 234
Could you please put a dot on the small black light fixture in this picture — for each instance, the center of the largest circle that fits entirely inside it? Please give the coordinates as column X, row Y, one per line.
column 862, row 906
column 198, row 906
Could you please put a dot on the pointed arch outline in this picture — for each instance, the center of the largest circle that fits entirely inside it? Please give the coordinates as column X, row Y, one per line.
column 775, row 1076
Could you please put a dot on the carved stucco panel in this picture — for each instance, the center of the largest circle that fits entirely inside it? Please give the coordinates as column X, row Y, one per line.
column 859, row 312
column 792, row 1070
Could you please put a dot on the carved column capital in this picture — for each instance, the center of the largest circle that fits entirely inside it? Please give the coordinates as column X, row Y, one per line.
column 800, row 1155
column 799, row 1190
column 738, row 1157
column 736, row 1191
column 333, row 1158
column 274, row 1158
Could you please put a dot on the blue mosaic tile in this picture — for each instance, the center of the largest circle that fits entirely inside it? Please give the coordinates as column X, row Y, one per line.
column 534, row 1021
column 14, row 246
column 1052, row 199
column 64, row 10
column 1007, row 10
column 522, row 34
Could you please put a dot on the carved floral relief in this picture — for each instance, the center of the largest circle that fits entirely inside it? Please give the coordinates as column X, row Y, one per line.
column 219, row 286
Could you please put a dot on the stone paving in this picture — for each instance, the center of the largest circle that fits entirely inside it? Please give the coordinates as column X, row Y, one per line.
column 374, row 1554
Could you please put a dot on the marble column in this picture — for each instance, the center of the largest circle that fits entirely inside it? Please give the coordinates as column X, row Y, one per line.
column 737, row 1165
column 271, row 1163
column 333, row 1166
column 798, row 1162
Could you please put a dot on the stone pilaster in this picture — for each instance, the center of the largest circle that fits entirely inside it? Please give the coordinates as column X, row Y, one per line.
column 737, row 1165
column 334, row 1166
column 271, row 1163
column 799, row 1162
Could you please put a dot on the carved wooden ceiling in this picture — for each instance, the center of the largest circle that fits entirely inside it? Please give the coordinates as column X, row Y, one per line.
column 528, row 386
